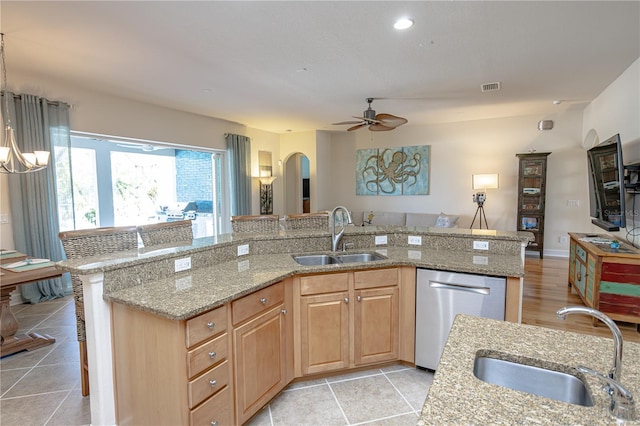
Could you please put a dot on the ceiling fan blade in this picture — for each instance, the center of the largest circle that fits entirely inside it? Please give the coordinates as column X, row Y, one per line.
column 356, row 127
column 390, row 120
column 380, row 128
column 368, row 120
column 348, row 122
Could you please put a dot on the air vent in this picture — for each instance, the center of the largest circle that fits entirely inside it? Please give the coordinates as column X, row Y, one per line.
column 490, row 87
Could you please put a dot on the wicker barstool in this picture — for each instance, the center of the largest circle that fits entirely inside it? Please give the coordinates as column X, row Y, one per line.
column 318, row 220
column 259, row 224
column 166, row 232
column 85, row 243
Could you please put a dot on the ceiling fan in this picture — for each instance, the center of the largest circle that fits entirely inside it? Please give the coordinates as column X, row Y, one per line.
column 376, row 122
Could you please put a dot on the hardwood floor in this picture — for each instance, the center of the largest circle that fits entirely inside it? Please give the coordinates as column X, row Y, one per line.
column 546, row 289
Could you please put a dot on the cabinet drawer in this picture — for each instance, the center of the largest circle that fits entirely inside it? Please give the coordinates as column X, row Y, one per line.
column 215, row 411
column 376, row 278
column 207, row 355
column 326, row 283
column 206, row 326
column 257, row 302
column 208, row 384
column 581, row 253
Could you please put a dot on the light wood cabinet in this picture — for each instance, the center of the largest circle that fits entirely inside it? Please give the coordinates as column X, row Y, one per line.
column 262, row 338
column 172, row 372
column 606, row 279
column 347, row 319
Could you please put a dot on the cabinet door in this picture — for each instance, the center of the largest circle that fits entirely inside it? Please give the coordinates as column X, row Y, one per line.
column 260, row 357
column 324, row 332
column 376, row 325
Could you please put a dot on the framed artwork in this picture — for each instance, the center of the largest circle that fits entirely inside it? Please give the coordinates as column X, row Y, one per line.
column 393, row 171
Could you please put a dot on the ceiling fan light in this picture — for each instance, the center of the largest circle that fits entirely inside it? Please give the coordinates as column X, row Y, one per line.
column 403, row 24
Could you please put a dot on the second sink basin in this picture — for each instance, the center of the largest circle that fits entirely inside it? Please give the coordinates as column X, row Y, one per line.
column 532, row 379
column 326, row 259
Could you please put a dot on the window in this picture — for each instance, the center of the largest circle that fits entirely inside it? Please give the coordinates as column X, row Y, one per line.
column 119, row 183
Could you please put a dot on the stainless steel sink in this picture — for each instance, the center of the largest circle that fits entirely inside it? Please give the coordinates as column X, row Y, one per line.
column 315, row 259
column 552, row 384
column 328, row 259
column 360, row 257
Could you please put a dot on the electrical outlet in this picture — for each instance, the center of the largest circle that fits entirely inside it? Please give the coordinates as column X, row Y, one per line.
column 480, row 260
column 481, row 245
column 414, row 240
column 381, row 239
column 243, row 249
column 182, row 264
column 4, row 218
column 573, row 203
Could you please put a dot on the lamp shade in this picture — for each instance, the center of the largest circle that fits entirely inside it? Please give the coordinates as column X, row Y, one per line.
column 485, row 181
column 267, row 180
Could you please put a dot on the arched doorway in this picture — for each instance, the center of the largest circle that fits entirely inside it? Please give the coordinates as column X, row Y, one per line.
column 297, row 196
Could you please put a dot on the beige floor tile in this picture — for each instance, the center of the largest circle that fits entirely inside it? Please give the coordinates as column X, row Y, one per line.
column 30, row 410
column 309, row 406
column 369, row 398
column 9, row 378
column 262, row 418
column 402, row 420
column 26, row 358
column 64, row 352
column 27, row 322
column 307, row 383
column 74, row 410
column 50, row 378
column 355, row 375
column 413, row 384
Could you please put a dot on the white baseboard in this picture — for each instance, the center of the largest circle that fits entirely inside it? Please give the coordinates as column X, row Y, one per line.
column 556, row 253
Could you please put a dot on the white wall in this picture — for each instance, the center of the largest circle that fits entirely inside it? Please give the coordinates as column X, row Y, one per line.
column 459, row 150
column 617, row 110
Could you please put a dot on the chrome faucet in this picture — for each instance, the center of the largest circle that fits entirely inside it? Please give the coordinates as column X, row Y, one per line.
column 622, row 405
column 335, row 238
column 616, row 370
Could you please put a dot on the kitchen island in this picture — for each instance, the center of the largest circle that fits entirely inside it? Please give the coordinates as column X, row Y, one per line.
column 141, row 288
column 457, row 397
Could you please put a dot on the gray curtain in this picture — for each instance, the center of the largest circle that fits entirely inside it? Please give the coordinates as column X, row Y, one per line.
column 39, row 125
column 239, row 148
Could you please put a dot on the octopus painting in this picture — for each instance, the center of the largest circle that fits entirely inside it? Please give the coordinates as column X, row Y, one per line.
column 392, row 171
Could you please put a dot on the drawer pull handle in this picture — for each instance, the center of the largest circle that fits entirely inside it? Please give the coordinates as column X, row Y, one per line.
column 213, row 383
column 263, row 300
column 212, row 355
column 211, row 325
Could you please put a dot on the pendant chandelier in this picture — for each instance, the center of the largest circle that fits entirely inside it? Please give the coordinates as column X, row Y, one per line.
column 12, row 160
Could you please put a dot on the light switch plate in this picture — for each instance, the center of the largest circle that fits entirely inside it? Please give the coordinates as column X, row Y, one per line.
column 481, row 245
column 381, row 239
column 182, row 264
column 243, row 249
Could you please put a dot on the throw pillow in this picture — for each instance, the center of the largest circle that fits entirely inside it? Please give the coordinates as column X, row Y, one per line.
column 445, row 221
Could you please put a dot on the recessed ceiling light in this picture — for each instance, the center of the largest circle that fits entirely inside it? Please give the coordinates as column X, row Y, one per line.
column 557, row 102
column 403, row 24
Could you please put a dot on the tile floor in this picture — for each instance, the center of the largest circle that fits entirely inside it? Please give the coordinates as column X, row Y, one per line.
column 42, row 387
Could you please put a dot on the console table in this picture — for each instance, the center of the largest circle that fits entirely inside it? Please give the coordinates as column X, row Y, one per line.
column 606, row 279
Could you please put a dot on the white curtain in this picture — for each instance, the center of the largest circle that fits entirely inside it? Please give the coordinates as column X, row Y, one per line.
column 39, row 125
column 239, row 148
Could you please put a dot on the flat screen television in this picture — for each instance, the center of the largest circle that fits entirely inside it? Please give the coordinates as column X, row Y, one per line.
column 606, row 184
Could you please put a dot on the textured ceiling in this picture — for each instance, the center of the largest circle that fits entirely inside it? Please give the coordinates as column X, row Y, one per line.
column 298, row 66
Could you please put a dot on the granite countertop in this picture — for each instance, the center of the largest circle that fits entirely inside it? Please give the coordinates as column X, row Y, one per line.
column 187, row 294
column 457, row 397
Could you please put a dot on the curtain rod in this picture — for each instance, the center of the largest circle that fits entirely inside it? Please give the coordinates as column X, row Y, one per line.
column 52, row 103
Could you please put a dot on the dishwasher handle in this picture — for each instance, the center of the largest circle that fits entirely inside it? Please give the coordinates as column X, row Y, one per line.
column 459, row 287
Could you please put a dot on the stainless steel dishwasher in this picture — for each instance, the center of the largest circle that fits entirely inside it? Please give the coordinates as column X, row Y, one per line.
column 440, row 296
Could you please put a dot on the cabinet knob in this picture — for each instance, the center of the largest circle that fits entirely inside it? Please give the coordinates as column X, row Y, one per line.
column 211, row 324
column 359, row 298
column 214, row 423
column 263, row 300
column 212, row 355
column 213, row 383
column 284, row 312
column 346, row 300
column 579, row 277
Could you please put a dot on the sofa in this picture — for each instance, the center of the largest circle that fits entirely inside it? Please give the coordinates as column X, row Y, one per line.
column 379, row 218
